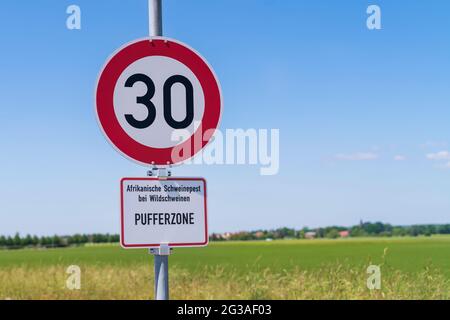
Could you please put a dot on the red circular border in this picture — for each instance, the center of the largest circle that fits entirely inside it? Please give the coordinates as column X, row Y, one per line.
column 105, row 100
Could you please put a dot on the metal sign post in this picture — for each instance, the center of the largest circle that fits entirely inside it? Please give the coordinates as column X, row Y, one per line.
column 161, row 271
column 155, row 18
column 162, row 253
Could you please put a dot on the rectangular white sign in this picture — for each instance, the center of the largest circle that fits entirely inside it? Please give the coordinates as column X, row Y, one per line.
column 163, row 211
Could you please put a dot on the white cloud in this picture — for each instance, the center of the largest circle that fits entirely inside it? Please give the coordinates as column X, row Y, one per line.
column 441, row 155
column 399, row 158
column 359, row 156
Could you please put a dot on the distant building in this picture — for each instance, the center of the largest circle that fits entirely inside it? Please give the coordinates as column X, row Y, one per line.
column 227, row 235
column 344, row 234
column 259, row 234
column 310, row 235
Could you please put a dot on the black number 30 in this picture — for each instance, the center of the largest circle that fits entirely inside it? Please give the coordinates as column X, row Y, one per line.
column 167, row 102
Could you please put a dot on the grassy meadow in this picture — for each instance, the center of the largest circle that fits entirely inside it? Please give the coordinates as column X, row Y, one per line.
column 411, row 268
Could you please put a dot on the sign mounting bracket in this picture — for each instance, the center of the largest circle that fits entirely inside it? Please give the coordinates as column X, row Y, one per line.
column 163, row 250
column 160, row 172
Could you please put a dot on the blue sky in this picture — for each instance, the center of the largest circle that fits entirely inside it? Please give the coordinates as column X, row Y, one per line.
column 346, row 100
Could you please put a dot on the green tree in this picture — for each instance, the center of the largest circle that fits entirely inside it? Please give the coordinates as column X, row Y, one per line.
column 9, row 242
column 27, row 241
column 17, row 242
column 332, row 234
column 35, row 241
column 2, row 241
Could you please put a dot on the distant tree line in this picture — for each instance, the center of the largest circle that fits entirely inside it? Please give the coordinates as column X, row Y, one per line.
column 18, row 242
column 365, row 229
column 387, row 230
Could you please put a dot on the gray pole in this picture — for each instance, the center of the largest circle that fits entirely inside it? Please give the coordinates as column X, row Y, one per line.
column 161, row 277
column 155, row 18
column 162, row 253
column 161, row 256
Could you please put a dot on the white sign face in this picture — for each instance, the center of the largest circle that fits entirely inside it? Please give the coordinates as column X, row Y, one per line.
column 170, row 211
column 154, row 72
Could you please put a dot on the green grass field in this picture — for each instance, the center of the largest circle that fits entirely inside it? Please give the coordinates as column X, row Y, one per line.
column 292, row 269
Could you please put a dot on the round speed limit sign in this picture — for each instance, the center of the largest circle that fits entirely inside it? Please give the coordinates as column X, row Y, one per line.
column 151, row 88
